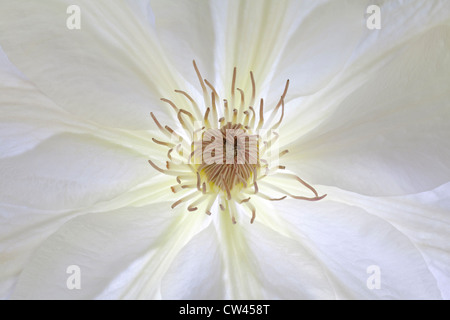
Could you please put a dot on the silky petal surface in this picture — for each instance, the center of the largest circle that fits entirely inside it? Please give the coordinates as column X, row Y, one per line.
column 121, row 254
column 197, row 271
column 115, row 51
column 70, row 171
column 424, row 218
column 349, row 241
column 28, row 116
column 186, row 27
column 389, row 135
column 261, row 263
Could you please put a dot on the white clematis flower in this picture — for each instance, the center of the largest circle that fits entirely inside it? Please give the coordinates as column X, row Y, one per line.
column 365, row 119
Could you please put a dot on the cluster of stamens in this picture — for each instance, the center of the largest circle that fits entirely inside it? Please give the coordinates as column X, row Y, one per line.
column 223, row 158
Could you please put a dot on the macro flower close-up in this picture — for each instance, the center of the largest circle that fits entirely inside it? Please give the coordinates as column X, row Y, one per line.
column 238, row 149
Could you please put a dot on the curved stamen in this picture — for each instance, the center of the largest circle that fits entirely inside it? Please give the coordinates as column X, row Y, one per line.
column 167, row 144
column 159, row 125
column 252, row 99
column 185, row 198
column 261, row 114
column 315, row 198
column 233, row 87
column 214, row 110
column 242, row 103
column 194, row 104
column 202, row 84
column 171, row 104
column 279, row 104
column 225, row 177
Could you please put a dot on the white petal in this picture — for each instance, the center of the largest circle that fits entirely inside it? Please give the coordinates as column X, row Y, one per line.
column 388, row 135
column 28, row 117
column 251, row 35
column 424, row 218
column 197, row 270
column 22, row 229
column 185, row 31
column 71, row 171
column 319, row 46
column 351, row 244
column 110, row 71
column 65, row 176
column 264, row 264
column 120, row 254
column 400, row 22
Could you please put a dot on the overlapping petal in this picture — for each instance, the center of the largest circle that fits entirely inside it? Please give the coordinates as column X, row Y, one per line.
column 120, row 254
column 386, row 133
column 111, row 71
column 351, row 243
column 424, row 218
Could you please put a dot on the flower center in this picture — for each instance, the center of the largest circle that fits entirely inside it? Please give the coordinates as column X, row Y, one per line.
column 230, row 157
column 222, row 159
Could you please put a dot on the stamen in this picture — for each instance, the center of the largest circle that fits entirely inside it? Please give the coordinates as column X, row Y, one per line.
column 244, row 200
column 282, row 153
column 241, row 106
column 212, row 88
column 246, row 119
column 229, row 175
column 202, row 84
column 191, row 117
column 180, row 187
column 159, row 125
column 185, row 198
column 198, row 181
column 253, row 117
column 241, row 179
column 252, row 208
column 264, row 196
column 227, row 189
column 232, row 210
column 233, row 87
column 167, row 144
column 206, row 119
column 276, row 125
column 193, row 205
column 171, row 104
column 168, row 172
column 194, row 104
column 255, row 177
column 235, row 113
column 280, row 103
column 252, row 100
column 261, row 114
column 226, row 110
column 210, row 203
column 156, row 167
column 255, row 185
column 316, row 198
column 214, row 110
column 204, row 188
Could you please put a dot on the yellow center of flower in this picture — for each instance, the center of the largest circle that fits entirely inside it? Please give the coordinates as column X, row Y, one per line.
column 229, row 157
column 223, row 158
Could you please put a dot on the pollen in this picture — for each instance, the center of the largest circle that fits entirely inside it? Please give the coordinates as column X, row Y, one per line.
column 230, row 157
column 224, row 150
